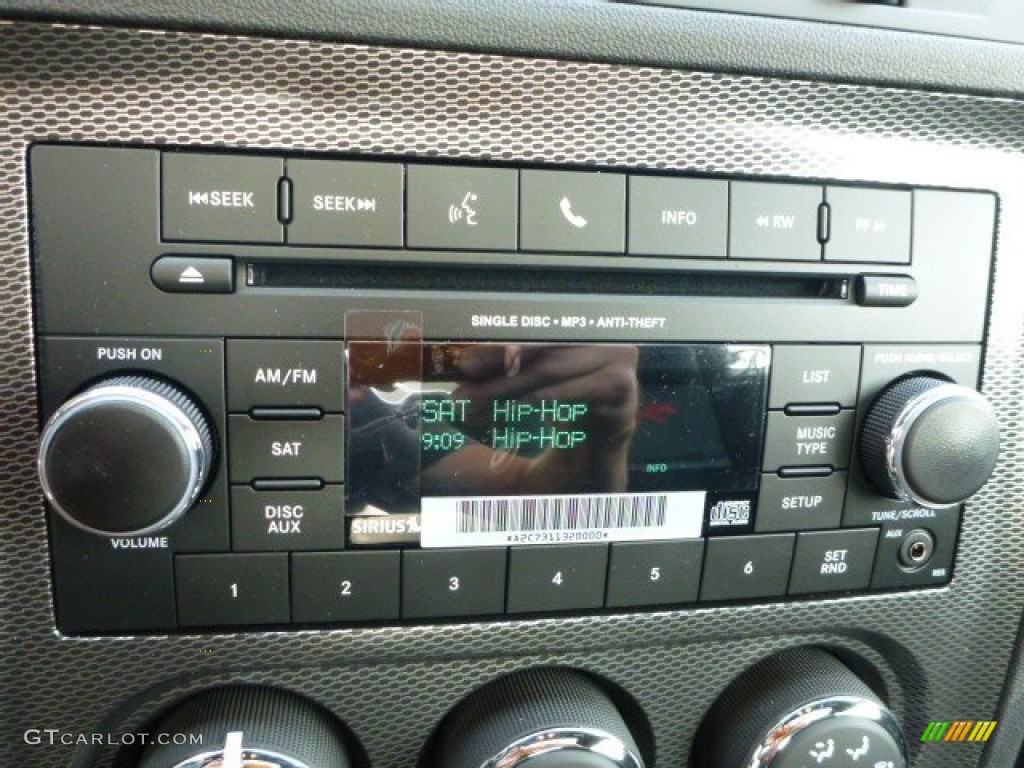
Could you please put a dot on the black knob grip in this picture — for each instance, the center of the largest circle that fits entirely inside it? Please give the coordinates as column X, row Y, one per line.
column 800, row 707
column 249, row 727
column 127, row 456
column 928, row 441
column 541, row 718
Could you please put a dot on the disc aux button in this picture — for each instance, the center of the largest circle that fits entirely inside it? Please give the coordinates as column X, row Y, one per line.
column 266, row 521
column 286, row 449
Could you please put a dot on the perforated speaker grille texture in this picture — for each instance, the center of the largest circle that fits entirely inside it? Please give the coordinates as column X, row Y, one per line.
column 941, row 653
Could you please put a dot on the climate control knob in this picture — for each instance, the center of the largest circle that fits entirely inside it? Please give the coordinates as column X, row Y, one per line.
column 540, row 718
column 930, row 442
column 128, row 456
column 801, row 708
column 247, row 727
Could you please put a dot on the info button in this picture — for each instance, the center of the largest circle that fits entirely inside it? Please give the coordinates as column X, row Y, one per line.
column 678, row 217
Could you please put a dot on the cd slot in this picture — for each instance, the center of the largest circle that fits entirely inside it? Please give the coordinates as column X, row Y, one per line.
column 406, row 277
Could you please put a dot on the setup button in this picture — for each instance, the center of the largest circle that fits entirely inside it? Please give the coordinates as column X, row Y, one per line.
column 799, row 503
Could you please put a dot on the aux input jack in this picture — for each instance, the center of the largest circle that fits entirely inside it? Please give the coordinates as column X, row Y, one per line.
column 916, row 549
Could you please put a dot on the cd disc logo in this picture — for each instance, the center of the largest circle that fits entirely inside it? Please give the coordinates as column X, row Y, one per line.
column 464, row 212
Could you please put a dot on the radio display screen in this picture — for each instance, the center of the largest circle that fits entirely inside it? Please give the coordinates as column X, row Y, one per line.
column 498, row 444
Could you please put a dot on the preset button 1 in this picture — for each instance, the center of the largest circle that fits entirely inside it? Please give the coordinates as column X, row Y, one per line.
column 215, row 590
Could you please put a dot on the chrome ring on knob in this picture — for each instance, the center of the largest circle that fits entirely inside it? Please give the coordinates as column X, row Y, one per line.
column 553, row 739
column 895, row 442
column 233, row 755
column 782, row 734
column 155, row 403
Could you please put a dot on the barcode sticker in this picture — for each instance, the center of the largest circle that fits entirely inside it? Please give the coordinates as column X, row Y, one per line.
column 502, row 521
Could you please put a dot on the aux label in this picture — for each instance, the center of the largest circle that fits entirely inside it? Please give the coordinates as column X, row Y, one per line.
column 284, row 518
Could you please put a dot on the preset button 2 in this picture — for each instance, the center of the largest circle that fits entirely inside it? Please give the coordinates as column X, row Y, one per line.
column 345, row 586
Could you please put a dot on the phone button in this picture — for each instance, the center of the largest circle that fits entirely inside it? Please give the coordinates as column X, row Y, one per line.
column 572, row 211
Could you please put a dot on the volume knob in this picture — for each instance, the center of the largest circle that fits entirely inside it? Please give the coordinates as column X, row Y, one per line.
column 126, row 457
column 929, row 442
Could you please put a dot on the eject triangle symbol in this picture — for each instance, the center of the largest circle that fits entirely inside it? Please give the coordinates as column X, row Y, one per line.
column 191, row 275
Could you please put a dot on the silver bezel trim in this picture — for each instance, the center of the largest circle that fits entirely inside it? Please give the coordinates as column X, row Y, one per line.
column 895, row 441
column 783, row 733
column 258, row 758
column 553, row 739
column 179, row 422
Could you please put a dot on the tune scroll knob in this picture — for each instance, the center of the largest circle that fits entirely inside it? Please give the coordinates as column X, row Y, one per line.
column 126, row 457
column 928, row 441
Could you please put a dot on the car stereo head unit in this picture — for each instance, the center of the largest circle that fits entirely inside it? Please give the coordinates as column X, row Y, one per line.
column 303, row 391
